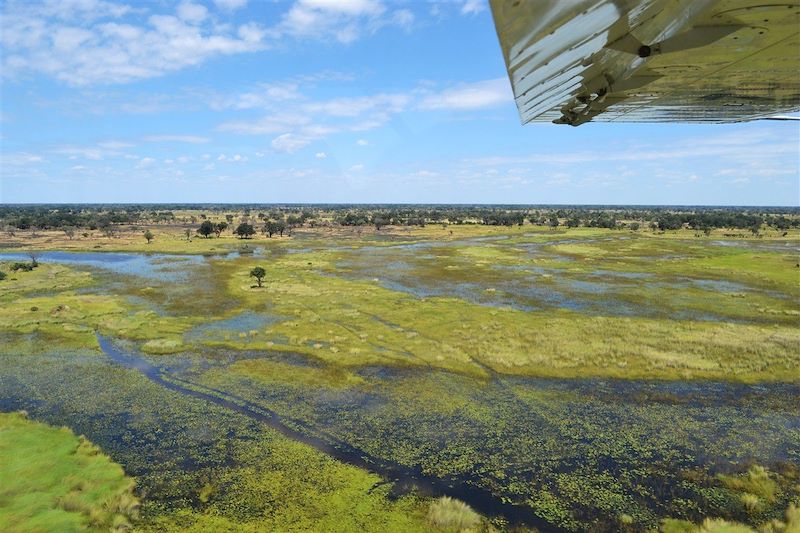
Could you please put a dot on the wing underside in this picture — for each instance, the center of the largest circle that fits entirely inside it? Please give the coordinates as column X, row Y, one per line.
column 571, row 61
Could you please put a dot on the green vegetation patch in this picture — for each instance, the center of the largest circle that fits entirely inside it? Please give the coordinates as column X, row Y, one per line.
column 52, row 480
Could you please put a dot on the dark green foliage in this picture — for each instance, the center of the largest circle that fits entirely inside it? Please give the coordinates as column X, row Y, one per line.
column 244, row 231
column 258, row 273
column 24, row 267
column 206, row 228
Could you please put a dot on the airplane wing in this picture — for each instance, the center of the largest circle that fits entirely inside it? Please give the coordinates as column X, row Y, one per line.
column 572, row 61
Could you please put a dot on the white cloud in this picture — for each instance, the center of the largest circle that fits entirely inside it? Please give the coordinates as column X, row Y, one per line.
column 289, row 143
column 487, row 93
column 362, row 142
column 310, row 120
column 264, row 96
column 145, row 162
column 105, row 50
column 321, row 155
column 472, row 7
column 193, row 13
column 342, row 20
column 357, row 168
column 20, row 159
column 403, row 18
column 114, row 145
column 194, row 139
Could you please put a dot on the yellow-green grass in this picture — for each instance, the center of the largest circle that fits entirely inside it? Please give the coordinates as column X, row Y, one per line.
column 42, row 306
column 52, row 480
column 353, row 323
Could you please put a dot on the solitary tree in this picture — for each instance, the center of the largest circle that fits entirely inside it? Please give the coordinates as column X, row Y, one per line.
column 149, row 236
column 258, row 273
column 188, row 234
column 2, row 275
column 69, row 231
column 219, row 227
column 244, row 231
column 206, row 228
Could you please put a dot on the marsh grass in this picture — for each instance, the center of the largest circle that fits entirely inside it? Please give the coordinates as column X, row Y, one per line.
column 51, row 480
column 755, row 482
column 452, row 515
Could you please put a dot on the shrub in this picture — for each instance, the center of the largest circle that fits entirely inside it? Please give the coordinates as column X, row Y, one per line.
column 3, row 275
column 25, row 267
column 448, row 512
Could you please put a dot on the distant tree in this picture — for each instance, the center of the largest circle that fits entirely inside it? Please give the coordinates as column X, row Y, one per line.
column 755, row 228
column 573, row 222
column 206, row 229
column 380, row 221
column 553, row 221
column 274, row 226
column 229, row 218
column 634, row 226
column 69, row 231
column 258, row 273
column 188, row 234
column 149, row 236
column 219, row 227
column 244, row 231
column 2, row 275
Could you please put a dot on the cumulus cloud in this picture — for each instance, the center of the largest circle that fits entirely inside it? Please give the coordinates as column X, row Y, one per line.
column 88, row 42
column 472, row 7
column 487, row 93
column 193, row 13
column 342, row 20
column 145, row 162
column 321, row 155
column 289, row 143
column 362, row 142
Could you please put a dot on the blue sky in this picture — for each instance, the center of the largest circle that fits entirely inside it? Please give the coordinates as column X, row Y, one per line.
column 328, row 101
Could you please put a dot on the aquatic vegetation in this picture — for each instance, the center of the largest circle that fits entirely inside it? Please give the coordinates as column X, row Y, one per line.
column 177, row 445
column 52, row 480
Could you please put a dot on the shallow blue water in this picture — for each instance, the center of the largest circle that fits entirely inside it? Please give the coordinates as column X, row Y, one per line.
column 153, row 266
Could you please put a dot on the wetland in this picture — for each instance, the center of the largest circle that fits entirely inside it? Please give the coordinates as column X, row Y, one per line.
column 551, row 379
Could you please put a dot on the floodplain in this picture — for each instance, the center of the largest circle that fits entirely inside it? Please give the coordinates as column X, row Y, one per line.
column 567, row 379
